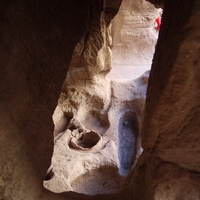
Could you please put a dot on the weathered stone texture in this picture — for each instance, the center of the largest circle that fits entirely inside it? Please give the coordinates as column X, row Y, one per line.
column 37, row 42
column 133, row 35
column 170, row 163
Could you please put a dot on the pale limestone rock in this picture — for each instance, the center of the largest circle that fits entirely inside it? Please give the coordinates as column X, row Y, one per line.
column 37, row 41
column 92, row 102
column 117, row 150
column 133, row 34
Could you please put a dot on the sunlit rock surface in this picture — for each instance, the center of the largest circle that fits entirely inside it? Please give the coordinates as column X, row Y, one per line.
column 37, row 42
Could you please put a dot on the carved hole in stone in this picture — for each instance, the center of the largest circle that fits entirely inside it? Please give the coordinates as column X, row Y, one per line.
column 49, row 175
column 127, row 137
column 86, row 141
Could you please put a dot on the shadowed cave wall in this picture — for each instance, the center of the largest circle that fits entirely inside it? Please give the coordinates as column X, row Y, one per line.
column 37, row 42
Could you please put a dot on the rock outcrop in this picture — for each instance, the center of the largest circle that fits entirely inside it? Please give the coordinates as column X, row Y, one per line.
column 97, row 165
column 92, row 104
column 38, row 39
column 133, row 39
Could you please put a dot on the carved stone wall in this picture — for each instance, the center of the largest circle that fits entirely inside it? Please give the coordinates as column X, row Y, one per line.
column 37, row 42
column 92, row 104
column 133, row 33
column 133, row 39
column 169, row 166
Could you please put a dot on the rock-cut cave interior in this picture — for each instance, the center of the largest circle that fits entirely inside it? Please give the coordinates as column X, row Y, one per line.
column 96, row 103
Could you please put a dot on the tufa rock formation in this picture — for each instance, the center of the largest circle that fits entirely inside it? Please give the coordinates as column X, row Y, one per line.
column 40, row 42
column 97, row 120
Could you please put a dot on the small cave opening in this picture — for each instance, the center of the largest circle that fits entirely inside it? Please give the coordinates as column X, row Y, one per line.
column 98, row 116
column 135, row 31
column 85, row 141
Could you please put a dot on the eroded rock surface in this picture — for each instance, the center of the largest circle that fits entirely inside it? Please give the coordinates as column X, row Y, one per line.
column 90, row 102
column 97, row 167
column 37, row 42
column 134, row 39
